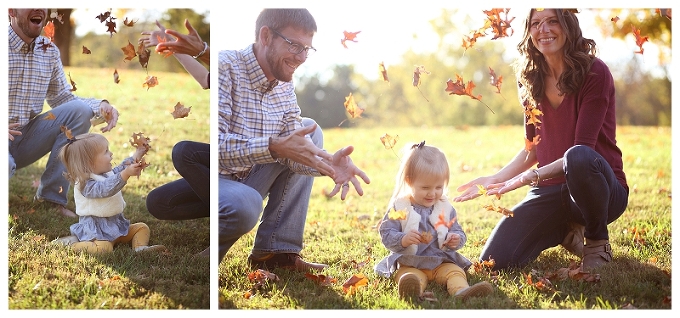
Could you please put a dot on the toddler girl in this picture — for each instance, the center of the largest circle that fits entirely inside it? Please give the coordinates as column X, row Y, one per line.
column 97, row 193
column 421, row 231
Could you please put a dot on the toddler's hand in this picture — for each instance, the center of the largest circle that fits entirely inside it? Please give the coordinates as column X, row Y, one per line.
column 134, row 169
column 410, row 238
column 452, row 240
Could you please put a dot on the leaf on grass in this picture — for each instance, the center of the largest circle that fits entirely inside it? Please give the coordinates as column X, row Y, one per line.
column 353, row 283
column 116, row 79
column 150, row 82
column 396, row 214
column 388, row 141
column 129, row 51
column 352, row 108
column 180, row 111
column 321, row 279
column 349, row 36
column 86, row 50
column 260, row 278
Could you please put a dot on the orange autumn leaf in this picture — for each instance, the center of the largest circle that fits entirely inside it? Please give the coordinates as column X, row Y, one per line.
column 160, row 39
column 494, row 80
column 442, row 222
column 129, row 51
column 50, row 116
column 352, row 108
column 66, row 131
column 49, row 30
column 531, row 114
column 383, row 72
column 396, row 214
column 86, row 50
column 138, row 140
column 321, row 279
column 426, row 237
column 116, row 79
column 499, row 25
column 529, row 145
column 150, row 82
column 499, row 209
column 73, row 84
column 349, row 36
column 180, row 111
column 129, row 23
column 144, row 54
column 388, row 141
column 460, row 88
column 639, row 40
column 353, row 283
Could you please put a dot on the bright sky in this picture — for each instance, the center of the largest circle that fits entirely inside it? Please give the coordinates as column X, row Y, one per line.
column 387, row 31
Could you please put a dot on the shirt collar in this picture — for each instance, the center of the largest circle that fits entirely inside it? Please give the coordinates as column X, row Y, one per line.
column 16, row 43
column 255, row 72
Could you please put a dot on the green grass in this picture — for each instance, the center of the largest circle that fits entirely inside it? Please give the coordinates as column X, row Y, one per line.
column 342, row 233
column 43, row 276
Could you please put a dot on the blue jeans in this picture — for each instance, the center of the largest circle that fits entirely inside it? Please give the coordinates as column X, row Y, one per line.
column 591, row 196
column 41, row 136
column 283, row 219
column 188, row 197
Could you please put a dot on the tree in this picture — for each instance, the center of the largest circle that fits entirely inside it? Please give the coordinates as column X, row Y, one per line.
column 64, row 31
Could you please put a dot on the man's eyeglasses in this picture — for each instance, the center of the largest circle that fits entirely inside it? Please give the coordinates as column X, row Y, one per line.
column 294, row 47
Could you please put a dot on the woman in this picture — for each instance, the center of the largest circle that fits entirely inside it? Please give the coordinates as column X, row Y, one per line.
column 578, row 186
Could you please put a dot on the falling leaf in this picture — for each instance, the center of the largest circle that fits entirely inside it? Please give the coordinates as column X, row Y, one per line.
column 499, row 209
column 44, row 45
column 495, row 80
column 66, row 131
column 639, row 40
column 499, row 25
column 349, row 36
column 139, row 141
column 529, row 145
column 111, row 26
column 129, row 51
column 150, row 81
column 352, row 108
column 353, row 283
column 49, row 30
column 129, row 23
column 54, row 15
column 73, row 84
column 86, row 50
column 460, row 88
column 419, row 70
column 389, row 141
column 180, row 111
column 396, row 214
column 144, row 54
column 531, row 114
column 615, row 19
column 383, row 72
column 116, row 79
column 103, row 16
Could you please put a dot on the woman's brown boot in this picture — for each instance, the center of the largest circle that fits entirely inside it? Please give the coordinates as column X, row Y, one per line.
column 596, row 253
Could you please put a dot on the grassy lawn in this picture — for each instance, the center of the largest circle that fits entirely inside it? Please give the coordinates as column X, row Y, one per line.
column 342, row 233
column 43, row 276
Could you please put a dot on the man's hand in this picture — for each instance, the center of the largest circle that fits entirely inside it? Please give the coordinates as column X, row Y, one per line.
column 346, row 172
column 13, row 132
column 110, row 114
column 300, row 149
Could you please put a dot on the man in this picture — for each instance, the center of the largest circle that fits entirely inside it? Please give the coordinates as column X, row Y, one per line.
column 36, row 75
column 266, row 149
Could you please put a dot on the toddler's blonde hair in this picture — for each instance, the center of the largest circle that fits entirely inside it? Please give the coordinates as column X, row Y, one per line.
column 78, row 157
column 419, row 160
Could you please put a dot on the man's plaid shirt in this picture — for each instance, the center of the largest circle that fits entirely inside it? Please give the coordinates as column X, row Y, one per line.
column 252, row 109
column 35, row 76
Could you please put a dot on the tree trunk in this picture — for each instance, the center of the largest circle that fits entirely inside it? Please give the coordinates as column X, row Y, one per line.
column 63, row 33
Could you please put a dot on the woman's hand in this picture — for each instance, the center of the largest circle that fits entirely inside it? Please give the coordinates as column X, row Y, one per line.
column 470, row 189
column 518, row 181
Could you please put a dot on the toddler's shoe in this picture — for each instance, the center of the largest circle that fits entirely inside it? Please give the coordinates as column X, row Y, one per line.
column 477, row 290
column 152, row 248
column 409, row 286
column 66, row 240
